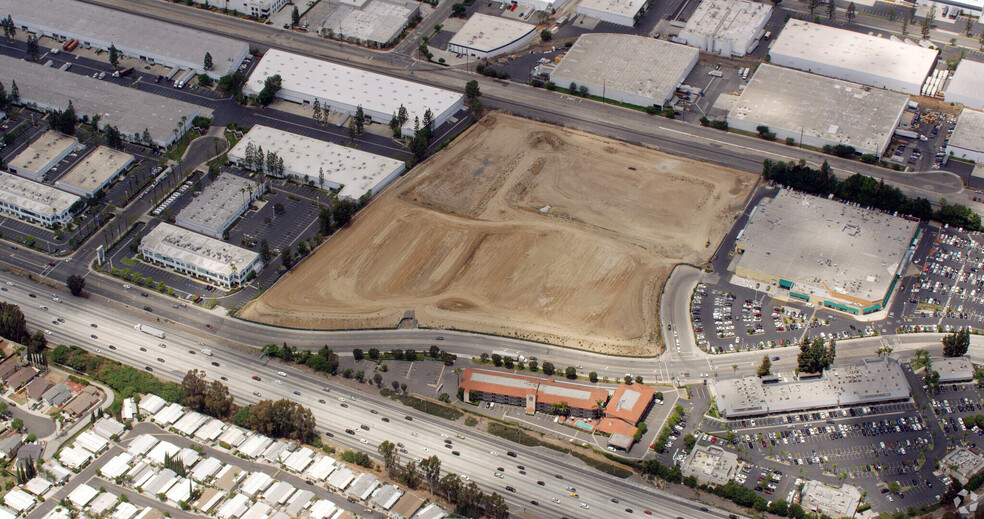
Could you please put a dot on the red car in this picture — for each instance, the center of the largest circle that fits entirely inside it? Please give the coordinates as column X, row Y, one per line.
column 256, row 377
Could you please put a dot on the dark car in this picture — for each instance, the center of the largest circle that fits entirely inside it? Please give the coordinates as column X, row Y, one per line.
column 143, row 349
column 343, row 404
column 541, row 483
column 144, row 294
column 94, row 325
column 408, row 418
column 149, row 309
column 534, row 503
column 148, row 368
column 93, row 336
column 364, row 427
column 215, row 363
column 385, row 419
column 112, row 347
column 456, row 453
column 511, row 489
column 298, row 393
column 160, row 359
column 511, row 454
column 350, row 431
column 223, row 378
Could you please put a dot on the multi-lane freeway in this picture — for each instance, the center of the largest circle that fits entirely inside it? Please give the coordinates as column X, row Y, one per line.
column 480, row 456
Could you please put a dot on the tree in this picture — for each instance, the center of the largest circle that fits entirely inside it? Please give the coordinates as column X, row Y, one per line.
column 766, row 367
column 593, row 376
column 113, row 138
column 969, row 26
column 472, row 91
column 265, row 253
column 458, row 9
column 534, row 366
column 76, row 284
column 360, row 120
column 431, row 469
column 905, row 25
column 814, row 357
column 286, row 259
column 33, row 50
column 295, row 17
column 281, row 419
column 831, row 9
column 851, row 12
column 207, row 62
column 271, row 86
column 927, row 22
column 388, row 451
column 9, row 28
column 957, row 343
column 402, row 115
column 374, row 353
column 14, row 92
column 548, row 368
column 813, row 4
column 571, row 372
column 17, row 424
column 13, row 325
column 114, row 55
column 231, row 83
column 358, row 355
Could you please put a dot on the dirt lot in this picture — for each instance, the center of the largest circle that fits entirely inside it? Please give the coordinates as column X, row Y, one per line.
column 521, row 229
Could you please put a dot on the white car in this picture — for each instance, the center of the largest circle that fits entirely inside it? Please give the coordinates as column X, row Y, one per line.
column 279, row 382
column 499, row 475
column 127, row 287
column 494, row 453
column 363, row 440
column 281, row 373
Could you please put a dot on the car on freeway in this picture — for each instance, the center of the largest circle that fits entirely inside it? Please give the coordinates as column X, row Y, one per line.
column 93, row 336
column 343, row 404
column 408, row 418
column 148, row 368
column 321, row 400
column 256, row 394
column 256, row 378
column 143, row 349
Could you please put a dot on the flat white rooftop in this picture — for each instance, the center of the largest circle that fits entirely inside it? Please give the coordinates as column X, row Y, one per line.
column 358, row 171
column 220, row 201
column 130, row 110
column 634, row 65
column 39, row 154
column 731, row 20
column 377, row 21
column 487, row 33
column 192, row 248
column 128, row 30
column 822, row 107
column 838, row 248
column 333, row 83
column 968, row 134
column 96, row 169
column 37, row 198
column 810, row 42
column 967, row 82
column 626, row 8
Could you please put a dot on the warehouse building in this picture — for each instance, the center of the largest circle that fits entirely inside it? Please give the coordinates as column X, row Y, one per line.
column 254, row 8
column 199, row 256
column 967, row 141
column 629, row 69
column 35, row 202
column 343, row 89
column 534, row 393
column 726, row 27
column 619, row 12
column 213, row 210
column 134, row 36
column 218, row 205
column 42, row 155
column 94, row 172
column 538, row 5
column 967, row 85
column 853, row 56
column 349, row 171
column 839, row 256
column 485, row 36
column 818, row 111
column 868, row 382
column 133, row 112
column 378, row 22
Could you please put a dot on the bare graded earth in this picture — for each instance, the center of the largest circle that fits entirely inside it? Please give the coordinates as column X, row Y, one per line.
column 522, row 229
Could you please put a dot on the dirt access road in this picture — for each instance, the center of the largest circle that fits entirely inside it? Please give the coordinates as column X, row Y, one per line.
column 521, row 229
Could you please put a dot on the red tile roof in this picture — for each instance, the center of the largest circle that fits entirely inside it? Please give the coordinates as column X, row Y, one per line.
column 547, row 391
column 630, row 402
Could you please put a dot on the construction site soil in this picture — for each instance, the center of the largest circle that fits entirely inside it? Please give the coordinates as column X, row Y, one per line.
column 520, row 229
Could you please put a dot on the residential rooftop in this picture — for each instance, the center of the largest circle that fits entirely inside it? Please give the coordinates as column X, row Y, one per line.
column 39, row 154
column 357, row 171
column 128, row 30
column 831, row 109
column 35, row 197
column 195, row 249
column 870, row 381
column 486, row 33
column 825, row 247
column 130, row 110
column 635, row 65
column 96, row 169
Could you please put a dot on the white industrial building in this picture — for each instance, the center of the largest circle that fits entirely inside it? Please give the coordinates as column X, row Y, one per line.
column 134, row 36
column 619, row 12
column 967, row 85
column 629, row 69
column 133, row 112
column 95, row 171
column 199, row 256
column 378, row 22
column 538, row 5
column 351, row 172
column 818, row 111
column 967, row 141
column 343, row 89
column 485, row 36
column 43, row 154
column 35, row 202
column 853, row 56
column 726, row 27
column 254, row 8
column 213, row 210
